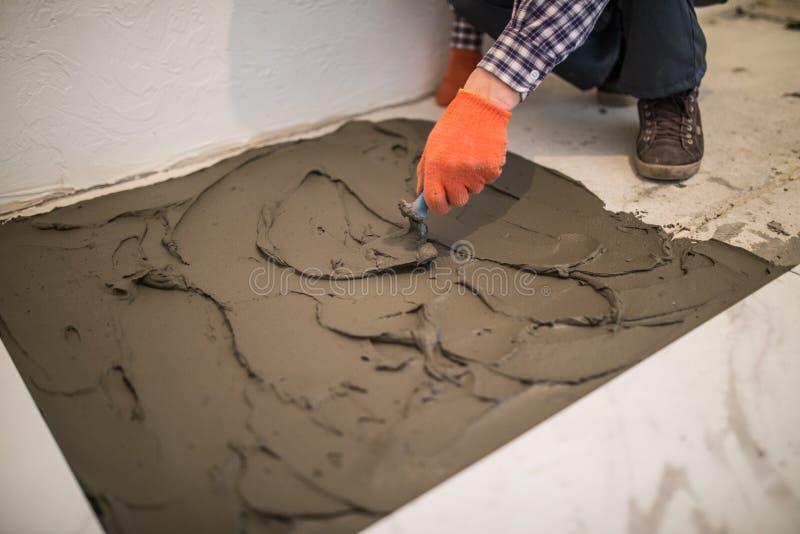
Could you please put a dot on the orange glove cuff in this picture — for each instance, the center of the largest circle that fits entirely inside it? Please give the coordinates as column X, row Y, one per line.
column 465, row 151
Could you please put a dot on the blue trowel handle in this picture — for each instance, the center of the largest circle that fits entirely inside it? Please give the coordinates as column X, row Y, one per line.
column 420, row 206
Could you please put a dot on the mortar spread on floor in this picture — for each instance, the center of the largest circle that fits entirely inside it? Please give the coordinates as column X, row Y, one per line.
column 211, row 357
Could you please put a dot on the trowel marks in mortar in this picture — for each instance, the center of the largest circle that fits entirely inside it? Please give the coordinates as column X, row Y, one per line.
column 205, row 368
column 324, row 230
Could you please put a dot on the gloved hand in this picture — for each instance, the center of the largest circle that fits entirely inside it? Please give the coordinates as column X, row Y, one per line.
column 465, row 151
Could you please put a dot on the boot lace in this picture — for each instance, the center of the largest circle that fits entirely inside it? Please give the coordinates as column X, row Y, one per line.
column 669, row 118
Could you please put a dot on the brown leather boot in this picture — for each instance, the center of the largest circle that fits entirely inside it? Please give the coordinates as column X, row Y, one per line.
column 459, row 66
column 670, row 143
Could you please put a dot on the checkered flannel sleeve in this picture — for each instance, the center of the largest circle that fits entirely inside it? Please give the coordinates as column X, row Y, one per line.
column 464, row 35
column 539, row 36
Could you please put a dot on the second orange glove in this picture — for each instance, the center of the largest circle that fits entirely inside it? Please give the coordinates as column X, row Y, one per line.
column 465, row 151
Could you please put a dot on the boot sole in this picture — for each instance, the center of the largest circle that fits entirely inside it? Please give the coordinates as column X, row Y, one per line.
column 669, row 173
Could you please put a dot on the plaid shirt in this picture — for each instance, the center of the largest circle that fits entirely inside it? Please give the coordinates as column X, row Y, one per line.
column 539, row 36
column 465, row 35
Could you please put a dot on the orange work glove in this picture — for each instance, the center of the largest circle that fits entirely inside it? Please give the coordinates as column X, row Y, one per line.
column 465, row 151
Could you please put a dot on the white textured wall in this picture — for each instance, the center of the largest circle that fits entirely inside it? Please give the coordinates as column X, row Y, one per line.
column 96, row 90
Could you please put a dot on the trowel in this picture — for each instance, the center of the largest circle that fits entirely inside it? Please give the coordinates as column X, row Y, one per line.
column 407, row 246
column 415, row 212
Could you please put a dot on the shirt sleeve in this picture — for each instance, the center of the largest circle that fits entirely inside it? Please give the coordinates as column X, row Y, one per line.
column 539, row 36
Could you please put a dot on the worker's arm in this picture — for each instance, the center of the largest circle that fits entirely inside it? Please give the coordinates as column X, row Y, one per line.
column 539, row 36
column 467, row 148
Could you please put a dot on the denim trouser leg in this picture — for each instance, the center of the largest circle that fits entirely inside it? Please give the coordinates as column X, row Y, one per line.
column 644, row 48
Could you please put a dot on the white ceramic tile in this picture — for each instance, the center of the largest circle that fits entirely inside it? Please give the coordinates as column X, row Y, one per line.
column 38, row 493
column 703, row 436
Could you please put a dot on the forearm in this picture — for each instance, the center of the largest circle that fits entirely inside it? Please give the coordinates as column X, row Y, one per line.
column 492, row 88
